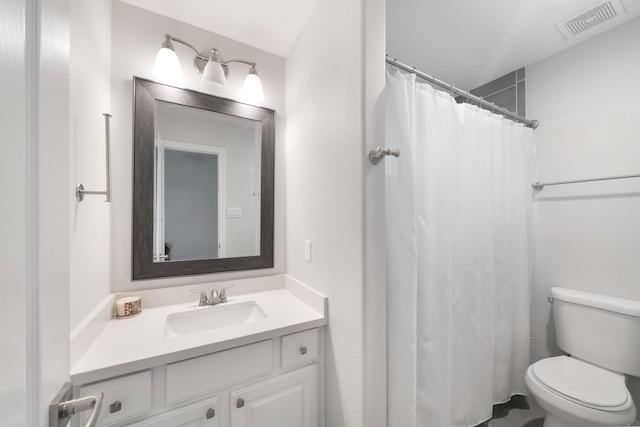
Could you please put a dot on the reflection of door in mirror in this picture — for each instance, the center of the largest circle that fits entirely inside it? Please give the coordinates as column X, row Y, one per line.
column 188, row 201
column 206, row 185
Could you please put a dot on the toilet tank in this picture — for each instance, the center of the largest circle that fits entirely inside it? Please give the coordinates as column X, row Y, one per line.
column 599, row 329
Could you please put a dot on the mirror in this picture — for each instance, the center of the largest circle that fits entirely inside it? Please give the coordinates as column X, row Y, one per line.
column 203, row 183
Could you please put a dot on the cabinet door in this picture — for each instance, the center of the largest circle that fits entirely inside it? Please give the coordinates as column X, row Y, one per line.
column 201, row 414
column 288, row 400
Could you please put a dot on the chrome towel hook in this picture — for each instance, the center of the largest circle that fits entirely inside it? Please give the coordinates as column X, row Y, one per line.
column 377, row 154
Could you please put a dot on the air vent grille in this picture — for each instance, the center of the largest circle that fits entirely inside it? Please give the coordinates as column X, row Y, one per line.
column 591, row 18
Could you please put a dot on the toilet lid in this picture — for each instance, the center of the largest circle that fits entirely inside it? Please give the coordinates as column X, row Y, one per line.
column 582, row 382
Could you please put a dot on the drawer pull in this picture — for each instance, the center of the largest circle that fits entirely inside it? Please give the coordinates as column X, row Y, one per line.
column 303, row 350
column 211, row 413
column 240, row 403
column 115, row 407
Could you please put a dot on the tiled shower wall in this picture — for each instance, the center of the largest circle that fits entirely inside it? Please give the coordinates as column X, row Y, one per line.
column 507, row 91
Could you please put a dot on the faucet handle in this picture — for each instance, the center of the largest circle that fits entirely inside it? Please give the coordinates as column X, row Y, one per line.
column 203, row 296
column 223, row 293
column 214, row 299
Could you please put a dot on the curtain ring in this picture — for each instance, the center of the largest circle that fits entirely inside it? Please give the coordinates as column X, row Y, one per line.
column 452, row 90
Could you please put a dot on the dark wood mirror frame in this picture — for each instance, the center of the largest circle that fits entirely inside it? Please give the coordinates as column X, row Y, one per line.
column 146, row 92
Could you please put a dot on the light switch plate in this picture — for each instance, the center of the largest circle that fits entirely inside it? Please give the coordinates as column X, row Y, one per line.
column 307, row 250
column 234, row 212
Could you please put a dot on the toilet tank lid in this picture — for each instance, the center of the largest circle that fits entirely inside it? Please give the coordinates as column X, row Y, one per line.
column 626, row 306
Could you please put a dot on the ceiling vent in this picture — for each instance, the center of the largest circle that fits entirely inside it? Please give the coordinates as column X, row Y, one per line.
column 588, row 20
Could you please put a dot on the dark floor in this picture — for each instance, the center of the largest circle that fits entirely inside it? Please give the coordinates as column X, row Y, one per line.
column 520, row 411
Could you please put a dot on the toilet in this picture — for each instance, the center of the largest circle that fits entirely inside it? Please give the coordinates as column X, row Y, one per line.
column 587, row 387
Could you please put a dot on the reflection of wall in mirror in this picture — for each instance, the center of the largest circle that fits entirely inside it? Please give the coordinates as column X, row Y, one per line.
column 243, row 194
column 242, row 166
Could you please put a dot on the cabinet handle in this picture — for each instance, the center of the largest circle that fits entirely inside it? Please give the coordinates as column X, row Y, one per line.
column 303, row 350
column 211, row 413
column 240, row 403
column 115, row 407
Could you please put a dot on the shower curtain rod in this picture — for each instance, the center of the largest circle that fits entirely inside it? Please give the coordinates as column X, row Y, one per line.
column 451, row 88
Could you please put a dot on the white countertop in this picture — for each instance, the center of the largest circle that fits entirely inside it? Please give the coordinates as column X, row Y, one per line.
column 133, row 344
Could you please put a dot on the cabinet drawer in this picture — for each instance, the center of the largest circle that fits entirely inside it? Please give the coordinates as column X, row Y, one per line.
column 124, row 398
column 299, row 348
column 201, row 414
column 203, row 374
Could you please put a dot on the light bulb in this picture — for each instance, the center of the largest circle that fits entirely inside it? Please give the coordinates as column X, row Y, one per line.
column 167, row 67
column 213, row 73
column 252, row 88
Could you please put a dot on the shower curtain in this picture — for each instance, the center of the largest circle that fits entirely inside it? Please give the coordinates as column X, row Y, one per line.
column 458, row 215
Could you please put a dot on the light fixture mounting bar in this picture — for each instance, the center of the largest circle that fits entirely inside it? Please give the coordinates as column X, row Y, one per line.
column 238, row 60
column 189, row 45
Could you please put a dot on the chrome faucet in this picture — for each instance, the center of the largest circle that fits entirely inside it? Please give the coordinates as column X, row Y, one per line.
column 215, row 298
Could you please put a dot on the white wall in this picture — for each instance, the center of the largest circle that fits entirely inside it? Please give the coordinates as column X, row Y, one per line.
column 375, row 306
column 587, row 235
column 136, row 37
column 90, row 97
column 331, row 97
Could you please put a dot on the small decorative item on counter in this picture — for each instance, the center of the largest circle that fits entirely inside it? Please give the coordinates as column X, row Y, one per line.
column 128, row 307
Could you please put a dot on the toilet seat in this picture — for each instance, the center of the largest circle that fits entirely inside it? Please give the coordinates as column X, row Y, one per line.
column 583, row 383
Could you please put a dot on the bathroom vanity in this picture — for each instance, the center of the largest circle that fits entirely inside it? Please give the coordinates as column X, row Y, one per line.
column 254, row 360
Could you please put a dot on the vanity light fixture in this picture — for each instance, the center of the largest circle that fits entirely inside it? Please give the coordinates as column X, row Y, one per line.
column 212, row 67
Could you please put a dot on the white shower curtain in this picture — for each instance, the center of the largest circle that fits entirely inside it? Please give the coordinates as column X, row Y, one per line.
column 458, row 215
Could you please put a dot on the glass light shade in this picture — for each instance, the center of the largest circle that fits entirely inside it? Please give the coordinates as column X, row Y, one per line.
column 252, row 89
column 213, row 73
column 167, row 67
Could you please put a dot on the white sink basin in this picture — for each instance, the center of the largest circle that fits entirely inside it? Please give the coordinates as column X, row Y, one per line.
column 210, row 318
